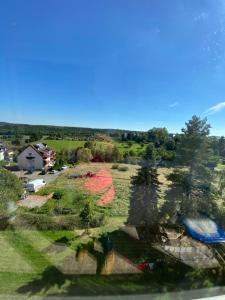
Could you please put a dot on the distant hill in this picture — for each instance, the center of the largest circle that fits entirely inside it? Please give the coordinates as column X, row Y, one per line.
column 53, row 130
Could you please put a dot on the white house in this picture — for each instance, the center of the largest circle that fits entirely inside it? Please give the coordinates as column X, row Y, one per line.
column 36, row 157
column 2, row 154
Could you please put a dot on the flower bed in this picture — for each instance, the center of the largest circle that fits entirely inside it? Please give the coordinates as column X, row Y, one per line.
column 107, row 197
column 100, row 183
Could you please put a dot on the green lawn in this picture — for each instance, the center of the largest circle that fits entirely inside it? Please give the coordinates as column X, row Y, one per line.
column 124, row 147
column 58, row 145
column 74, row 191
column 39, row 263
column 75, row 188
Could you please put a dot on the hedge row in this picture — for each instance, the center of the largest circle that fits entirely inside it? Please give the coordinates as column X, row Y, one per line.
column 44, row 222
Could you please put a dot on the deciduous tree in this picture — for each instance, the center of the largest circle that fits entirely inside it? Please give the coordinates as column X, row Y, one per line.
column 10, row 191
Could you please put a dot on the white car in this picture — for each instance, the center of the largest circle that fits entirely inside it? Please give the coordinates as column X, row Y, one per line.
column 64, row 167
column 35, row 185
column 53, row 172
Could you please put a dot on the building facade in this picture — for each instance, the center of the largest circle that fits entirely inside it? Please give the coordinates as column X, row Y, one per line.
column 2, row 154
column 36, row 157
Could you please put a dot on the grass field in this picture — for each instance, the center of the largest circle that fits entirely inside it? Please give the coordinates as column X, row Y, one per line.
column 45, row 263
column 73, row 188
column 35, row 263
column 58, row 145
column 74, row 194
column 124, row 147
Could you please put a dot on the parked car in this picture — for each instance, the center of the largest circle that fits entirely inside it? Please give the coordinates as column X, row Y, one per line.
column 43, row 172
column 90, row 174
column 53, row 172
column 35, row 185
column 29, row 172
column 75, row 175
column 64, row 168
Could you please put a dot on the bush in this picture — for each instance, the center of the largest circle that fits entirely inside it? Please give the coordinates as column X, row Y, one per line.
column 123, row 168
column 59, row 221
column 98, row 220
column 69, row 222
column 84, row 155
column 44, row 222
column 57, row 195
column 132, row 152
column 4, row 223
column 115, row 166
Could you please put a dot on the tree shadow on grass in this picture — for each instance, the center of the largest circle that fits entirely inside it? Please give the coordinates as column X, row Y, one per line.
column 57, row 246
column 127, row 246
column 54, row 282
column 63, row 240
column 50, row 277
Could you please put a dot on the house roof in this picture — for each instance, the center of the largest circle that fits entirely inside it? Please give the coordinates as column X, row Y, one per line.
column 42, row 151
column 35, row 149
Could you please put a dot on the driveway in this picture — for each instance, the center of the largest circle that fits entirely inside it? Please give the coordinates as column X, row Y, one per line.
column 36, row 175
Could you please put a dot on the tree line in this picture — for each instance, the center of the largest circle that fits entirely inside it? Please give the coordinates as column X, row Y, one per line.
column 165, row 143
column 17, row 131
column 167, row 149
column 90, row 152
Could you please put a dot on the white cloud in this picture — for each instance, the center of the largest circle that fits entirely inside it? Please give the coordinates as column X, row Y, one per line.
column 174, row 104
column 216, row 108
column 202, row 16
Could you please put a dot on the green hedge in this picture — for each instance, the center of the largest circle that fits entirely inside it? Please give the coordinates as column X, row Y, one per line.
column 115, row 166
column 4, row 223
column 44, row 222
column 62, row 222
column 123, row 168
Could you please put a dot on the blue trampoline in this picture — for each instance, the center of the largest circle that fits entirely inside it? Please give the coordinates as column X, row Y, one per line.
column 204, row 230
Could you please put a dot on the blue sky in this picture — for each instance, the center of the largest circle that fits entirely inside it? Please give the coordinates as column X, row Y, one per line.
column 113, row 63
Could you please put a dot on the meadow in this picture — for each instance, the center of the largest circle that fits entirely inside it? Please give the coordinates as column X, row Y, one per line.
column 71, row 187
column 74, row 192
column 58, row 145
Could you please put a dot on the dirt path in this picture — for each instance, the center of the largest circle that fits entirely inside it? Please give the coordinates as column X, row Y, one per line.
column 32, row 201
